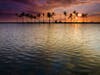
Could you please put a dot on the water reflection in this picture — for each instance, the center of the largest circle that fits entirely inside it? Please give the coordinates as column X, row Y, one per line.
column 50, row 49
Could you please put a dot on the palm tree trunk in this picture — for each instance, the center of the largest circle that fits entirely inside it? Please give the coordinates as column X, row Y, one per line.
column 49, row 20
column 65, row 19
column 53, row 19
column 34, row 21
column 43, row 19
column 30, row 19
column 23, row 19
column 83, row 19
column 71, row 20
column 17, row 19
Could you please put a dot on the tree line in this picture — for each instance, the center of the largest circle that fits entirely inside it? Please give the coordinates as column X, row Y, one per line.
column 50, row 15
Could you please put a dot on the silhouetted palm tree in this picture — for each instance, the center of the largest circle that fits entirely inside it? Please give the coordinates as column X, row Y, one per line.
column 17, row 16
column 65, row 14
column 34, row 17
column 49, row 15
column 84, row 16
column 31, row 17
column 75, row 14
column 43, row 16
column 70, row 17
column 39, row 15
column 22, row 15
column 52, row 15
column 27, row 15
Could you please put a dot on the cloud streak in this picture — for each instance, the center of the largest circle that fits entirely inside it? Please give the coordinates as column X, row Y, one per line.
column 34, row 5
column 9, row 7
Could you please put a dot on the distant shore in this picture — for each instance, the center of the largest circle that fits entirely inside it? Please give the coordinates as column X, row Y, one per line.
column 50, row 22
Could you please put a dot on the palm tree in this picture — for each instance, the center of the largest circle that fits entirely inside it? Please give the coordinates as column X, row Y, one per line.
column 70, row 16
column 52, row 15
column 17, row 16
column 65, row 14
column 31, row 17
column 43, row 16
column 34, row 17
column 84, row 16
column 27, row 15
column 22, row 15
column 75, row 14
column 49, row 15
column 39, row 15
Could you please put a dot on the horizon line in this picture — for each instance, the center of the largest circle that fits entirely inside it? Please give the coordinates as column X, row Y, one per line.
column 50, row 22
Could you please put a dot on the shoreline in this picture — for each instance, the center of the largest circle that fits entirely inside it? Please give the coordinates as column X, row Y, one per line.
column 50, row 23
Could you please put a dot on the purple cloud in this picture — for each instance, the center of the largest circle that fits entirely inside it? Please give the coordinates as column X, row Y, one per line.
column 10, row 7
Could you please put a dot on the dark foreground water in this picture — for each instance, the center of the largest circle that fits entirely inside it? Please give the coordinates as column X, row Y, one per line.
column 55, row 49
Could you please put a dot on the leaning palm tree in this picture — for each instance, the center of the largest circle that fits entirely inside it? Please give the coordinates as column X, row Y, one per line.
column 75, row 14
column 70, row 16
column 65, row 14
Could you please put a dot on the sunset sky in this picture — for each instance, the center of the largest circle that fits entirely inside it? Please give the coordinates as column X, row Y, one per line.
column 8, row 8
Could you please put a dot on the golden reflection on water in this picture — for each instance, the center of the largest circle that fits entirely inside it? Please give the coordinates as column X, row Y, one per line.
column 61, row 34
column 73, row 46
column 77, row 33
column 74, row 40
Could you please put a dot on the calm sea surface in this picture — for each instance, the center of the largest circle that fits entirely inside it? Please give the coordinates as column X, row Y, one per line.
column 55, row 49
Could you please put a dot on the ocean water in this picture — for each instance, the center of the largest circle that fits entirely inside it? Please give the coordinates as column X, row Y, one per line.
column 49, row 49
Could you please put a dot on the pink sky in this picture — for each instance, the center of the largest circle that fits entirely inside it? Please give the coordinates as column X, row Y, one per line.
column 8, row 8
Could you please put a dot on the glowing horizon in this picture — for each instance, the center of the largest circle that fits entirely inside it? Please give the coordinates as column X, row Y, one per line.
column 10, row 7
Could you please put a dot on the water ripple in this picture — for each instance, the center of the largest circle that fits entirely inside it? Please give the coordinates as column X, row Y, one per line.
column 49, row 49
